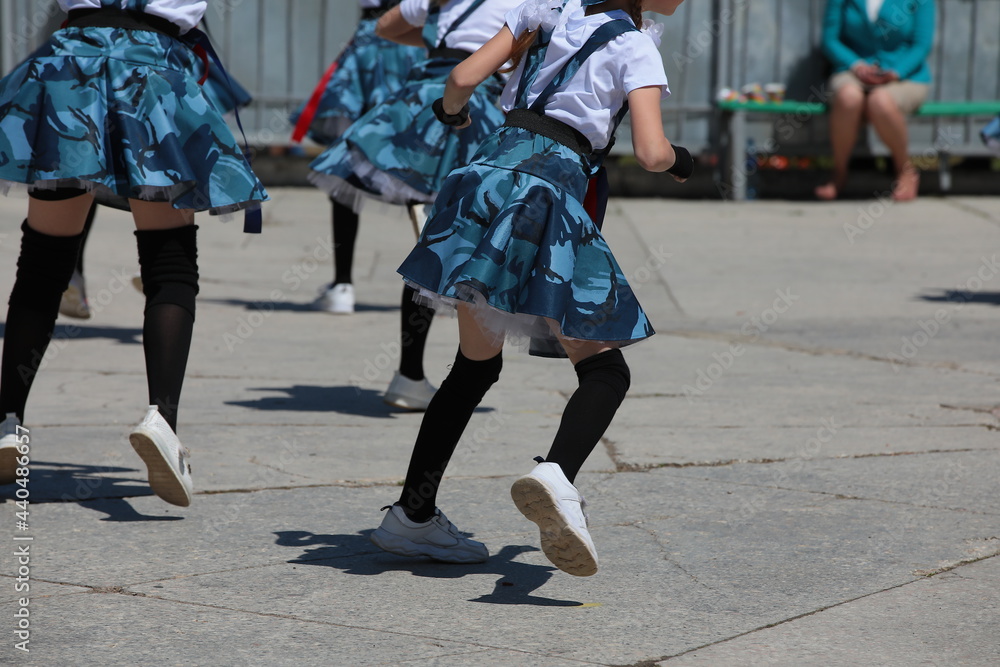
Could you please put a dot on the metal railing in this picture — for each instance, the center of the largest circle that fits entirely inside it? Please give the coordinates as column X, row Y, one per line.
column 278, row 49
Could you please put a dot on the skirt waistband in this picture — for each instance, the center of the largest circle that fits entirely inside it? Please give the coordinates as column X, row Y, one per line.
column 444, row 53
column 117, row 18
column 556, row 130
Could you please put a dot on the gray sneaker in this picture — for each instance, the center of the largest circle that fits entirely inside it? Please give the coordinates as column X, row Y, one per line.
column 438, row 538
column 547, row 498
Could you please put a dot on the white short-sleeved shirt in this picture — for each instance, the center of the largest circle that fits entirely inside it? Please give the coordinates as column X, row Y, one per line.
column 874, row 9
column 590, row 100
column 184, row 13
column 478, row 29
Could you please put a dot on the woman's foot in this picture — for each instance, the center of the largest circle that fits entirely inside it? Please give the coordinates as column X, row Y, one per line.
column 827, row 191
column 165, row 458
column 545, row 497
column 336, row 298
column 436, row 538
column 907, row 186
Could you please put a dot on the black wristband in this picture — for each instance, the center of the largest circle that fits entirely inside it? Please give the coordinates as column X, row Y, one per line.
column 683, row 163
column 455, row 120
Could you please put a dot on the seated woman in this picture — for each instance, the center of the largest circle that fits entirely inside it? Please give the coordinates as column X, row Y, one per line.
column 879, row 50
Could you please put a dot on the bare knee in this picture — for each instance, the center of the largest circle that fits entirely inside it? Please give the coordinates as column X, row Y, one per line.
column 849, row 98
column 159, row 215
column 880, row 104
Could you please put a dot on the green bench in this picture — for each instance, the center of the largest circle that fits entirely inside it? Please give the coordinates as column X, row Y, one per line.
column 734, row 120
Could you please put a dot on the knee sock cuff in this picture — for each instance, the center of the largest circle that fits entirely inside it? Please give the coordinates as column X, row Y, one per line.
column 607, row 367
column 486, row 371
column 469, row 380
column 44, row 266
column 168, row 260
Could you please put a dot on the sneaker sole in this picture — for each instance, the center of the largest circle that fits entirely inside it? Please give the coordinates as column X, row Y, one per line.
column 404, row 403
column 394, row 544
column 163, row 479
column 562, row 545
column 8, row 465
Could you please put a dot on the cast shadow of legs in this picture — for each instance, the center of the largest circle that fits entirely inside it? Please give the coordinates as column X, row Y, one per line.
column 88, row 487
column 69, row 332
column 295, row 307
column 355, row 554
column 960, row 297
column 311, row 398
column 345, row 399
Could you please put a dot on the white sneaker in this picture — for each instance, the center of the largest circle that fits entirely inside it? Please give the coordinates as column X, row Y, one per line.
column 8, row 449
column 337, row 299
column 165, row 458
column 409, row 394
column 438, row 538
column 74, row 299
column 547, row 498
column 418, row 216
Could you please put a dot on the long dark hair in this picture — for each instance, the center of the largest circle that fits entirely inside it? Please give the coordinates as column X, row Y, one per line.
column 524, row 42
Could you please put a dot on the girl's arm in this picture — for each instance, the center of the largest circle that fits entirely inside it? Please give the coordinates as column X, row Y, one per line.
column 653, row 151
column 475, row 69
column 394, row 27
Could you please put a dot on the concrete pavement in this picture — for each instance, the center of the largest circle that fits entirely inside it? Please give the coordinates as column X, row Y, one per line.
column 805, row 472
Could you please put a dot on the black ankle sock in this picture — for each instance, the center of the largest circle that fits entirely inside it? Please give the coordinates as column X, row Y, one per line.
column 345, row 234
column 44, row 268
column 442, row 427
column 604, row 381
column 169, row 262
column 415, row 321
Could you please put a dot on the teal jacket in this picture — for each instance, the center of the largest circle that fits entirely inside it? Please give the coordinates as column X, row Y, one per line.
column 899, row 41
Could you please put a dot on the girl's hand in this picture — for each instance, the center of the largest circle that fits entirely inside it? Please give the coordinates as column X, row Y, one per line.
column 458, row 120
column 678, row 178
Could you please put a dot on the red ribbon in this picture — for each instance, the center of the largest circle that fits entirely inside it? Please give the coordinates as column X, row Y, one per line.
column 309, row 113
column 200, row 51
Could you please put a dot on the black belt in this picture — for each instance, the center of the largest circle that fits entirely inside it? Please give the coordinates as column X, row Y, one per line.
column 556, row 130
column 117, row 18
column 444, row 53
column 372, row 13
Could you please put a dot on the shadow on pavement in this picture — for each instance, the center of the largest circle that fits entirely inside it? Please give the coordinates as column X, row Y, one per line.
column 311, row 398
column 355, row 554
column 958, row 297
column 66, row 332
column 346, row 399
column 87, row 486
column 293, row 307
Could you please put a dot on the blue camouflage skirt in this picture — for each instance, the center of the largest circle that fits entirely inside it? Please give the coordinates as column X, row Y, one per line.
column 119, row 113
column 368, row 71
column 510, row 235
column 399, row 152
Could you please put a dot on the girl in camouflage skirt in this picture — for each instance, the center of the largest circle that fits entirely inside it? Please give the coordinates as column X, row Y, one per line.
column 363, row 76
column 510, row 244
column 399, row 153
column 108, row 109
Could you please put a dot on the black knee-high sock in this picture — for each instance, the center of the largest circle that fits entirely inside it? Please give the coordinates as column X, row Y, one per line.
column 604, row 381
column 442, row 427
column 86, row 235
column 44, row 268
column 415, row 323
column 169, row 263
column 345, row 234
